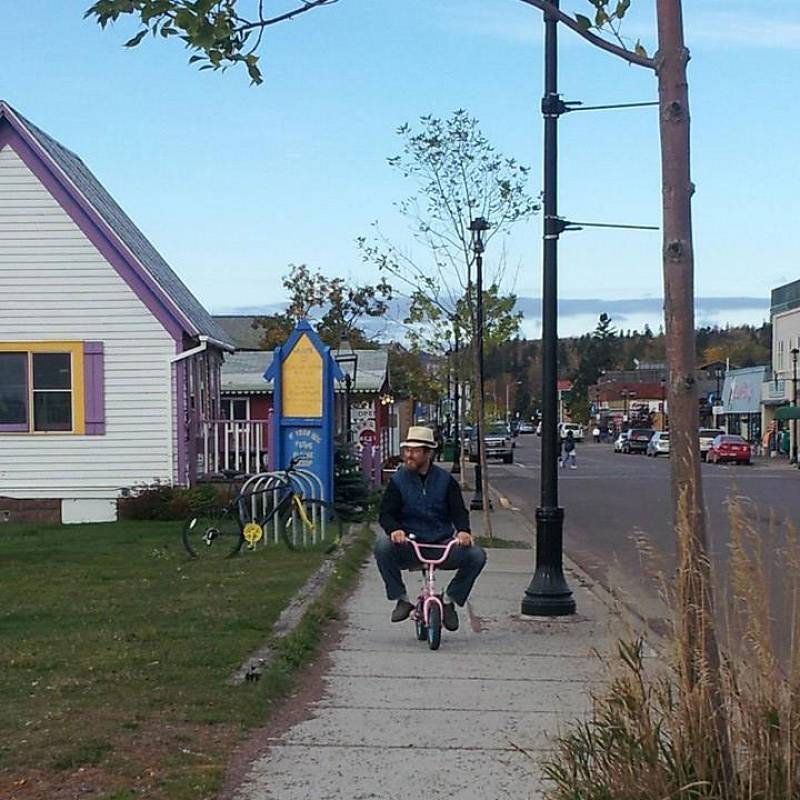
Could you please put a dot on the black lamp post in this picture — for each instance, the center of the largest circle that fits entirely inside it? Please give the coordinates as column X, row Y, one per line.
column 478, row 226
column 456, row 468
column 548, row 593
column 346, row 355
column 795, row 351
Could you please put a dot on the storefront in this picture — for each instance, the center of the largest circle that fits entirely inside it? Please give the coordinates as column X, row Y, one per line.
column 741, row 402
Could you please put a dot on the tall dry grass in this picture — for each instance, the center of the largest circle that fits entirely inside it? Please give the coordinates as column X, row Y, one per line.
column 681, row 727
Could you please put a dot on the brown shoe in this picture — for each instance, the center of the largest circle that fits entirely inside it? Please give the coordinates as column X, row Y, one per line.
column 402, row 610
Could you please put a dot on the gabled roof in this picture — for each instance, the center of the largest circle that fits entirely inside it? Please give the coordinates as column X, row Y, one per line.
column 140, row 254
column 243, row 372
column 240, row 330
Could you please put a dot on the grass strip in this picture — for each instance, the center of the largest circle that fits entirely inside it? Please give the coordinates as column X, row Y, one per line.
column 115, row 651
column 302, row 644
column 494, row 541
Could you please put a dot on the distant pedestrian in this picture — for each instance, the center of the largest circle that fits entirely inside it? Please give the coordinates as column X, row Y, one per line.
column 569, row 452
column 596, row 434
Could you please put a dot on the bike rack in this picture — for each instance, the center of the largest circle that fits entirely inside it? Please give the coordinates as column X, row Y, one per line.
column 262, row 484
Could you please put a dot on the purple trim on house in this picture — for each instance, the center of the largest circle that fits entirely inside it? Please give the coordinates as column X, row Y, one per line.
column 194, row 416
column 94, row 389
column 20, row 427
column 93, row 228
column 182, row 440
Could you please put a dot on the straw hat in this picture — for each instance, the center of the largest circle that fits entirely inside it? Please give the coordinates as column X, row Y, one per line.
column 419, row 436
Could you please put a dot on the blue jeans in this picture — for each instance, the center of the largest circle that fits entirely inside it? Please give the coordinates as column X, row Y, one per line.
column 393, row 558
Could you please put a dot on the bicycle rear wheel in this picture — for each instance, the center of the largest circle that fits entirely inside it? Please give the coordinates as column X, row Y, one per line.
column 213, row 534
column 308, row 524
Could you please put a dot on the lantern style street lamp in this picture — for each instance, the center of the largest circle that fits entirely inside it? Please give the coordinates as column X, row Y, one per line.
column 344, row 356
column 478, row 227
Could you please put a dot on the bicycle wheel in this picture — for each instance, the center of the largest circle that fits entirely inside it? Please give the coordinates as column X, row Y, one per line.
column 434, row 626
column 216, row 534
column 307, row 524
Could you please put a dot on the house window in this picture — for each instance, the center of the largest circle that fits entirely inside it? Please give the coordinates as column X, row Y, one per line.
column 42, row 387
column 14, row 390
column 236, row 408
column 52, row 391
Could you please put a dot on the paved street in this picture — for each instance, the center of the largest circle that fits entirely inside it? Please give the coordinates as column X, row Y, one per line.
column 612, row 498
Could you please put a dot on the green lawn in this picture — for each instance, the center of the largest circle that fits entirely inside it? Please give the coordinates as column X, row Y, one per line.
column 116, row 649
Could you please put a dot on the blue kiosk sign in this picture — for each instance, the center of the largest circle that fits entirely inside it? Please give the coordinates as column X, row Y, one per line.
column 303, row 371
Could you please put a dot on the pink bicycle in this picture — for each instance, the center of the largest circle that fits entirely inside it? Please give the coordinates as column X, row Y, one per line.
column 428, row 613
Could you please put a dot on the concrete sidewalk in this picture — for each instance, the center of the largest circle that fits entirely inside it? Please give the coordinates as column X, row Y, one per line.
column 469, row 721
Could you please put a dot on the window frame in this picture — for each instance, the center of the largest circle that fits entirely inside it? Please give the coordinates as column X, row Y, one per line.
column 227, row 405
column 78, row 404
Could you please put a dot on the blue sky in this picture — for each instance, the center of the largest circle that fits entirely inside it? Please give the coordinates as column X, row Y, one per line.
column 233, row 183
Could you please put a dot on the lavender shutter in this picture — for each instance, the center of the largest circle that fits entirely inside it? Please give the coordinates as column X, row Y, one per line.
column 94, row 389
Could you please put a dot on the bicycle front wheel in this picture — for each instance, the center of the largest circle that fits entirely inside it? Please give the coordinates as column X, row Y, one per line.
column 434, row 626
column 311, row 524
column 214, row 534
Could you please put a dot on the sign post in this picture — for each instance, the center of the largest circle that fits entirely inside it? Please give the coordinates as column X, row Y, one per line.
column 303, row 371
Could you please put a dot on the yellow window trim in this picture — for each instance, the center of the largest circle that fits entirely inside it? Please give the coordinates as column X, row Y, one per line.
column 75, row 349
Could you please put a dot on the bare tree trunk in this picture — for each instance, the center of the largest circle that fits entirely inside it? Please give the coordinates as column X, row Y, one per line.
column 699, row 653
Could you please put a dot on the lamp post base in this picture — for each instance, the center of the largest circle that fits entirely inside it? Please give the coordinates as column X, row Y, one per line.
column 476, row 504
column 548, row 594
column 456, row 468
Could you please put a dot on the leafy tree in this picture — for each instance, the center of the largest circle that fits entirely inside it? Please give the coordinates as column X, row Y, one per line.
column 340, row 307
column 459, row 176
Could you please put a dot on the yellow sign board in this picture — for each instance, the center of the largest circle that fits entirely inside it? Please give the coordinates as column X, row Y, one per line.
column 301, row 381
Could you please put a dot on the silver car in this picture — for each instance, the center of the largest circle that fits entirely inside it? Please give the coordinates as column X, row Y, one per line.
column 658, row 444
column 707, row 436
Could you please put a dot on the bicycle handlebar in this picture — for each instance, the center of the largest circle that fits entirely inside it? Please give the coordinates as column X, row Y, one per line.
column 445, row 548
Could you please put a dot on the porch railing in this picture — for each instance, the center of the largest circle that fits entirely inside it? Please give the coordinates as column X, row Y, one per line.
column 242, row 445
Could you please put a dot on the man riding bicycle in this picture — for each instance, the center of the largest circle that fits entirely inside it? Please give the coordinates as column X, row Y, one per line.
column 425, row 500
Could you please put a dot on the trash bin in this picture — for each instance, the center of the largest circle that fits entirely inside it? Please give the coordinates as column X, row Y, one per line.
column 449, row 450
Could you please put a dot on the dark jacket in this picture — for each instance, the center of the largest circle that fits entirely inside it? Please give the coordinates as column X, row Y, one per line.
column 432, row 508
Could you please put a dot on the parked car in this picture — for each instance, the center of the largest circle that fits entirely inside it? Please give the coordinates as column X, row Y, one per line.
column 565, row 427
column 658, row 444
column 619, row 442
column 637, row 441
column 497, row 441
column 729, row 447
column 527, row 427
column 707, row 436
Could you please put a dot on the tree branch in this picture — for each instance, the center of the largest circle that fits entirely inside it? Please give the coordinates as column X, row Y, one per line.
column 597, row 41
column 308, row 5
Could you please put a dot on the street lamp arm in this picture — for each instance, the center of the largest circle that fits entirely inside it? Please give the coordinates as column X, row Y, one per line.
column 627, row 55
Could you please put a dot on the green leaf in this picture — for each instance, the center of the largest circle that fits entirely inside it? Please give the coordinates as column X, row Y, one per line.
column 600, row 18
column 136, row 39
column 622, row 8
column 639, row 50
column 584, row 22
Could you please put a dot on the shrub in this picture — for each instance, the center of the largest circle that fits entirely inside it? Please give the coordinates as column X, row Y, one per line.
column 164, row 502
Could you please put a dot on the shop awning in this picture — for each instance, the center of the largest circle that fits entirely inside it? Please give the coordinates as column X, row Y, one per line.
column 787, row 412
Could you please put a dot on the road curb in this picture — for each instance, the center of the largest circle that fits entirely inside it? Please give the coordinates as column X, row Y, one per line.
column 292, row 615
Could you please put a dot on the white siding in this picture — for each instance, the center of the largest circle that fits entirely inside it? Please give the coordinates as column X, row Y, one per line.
column 55, row 285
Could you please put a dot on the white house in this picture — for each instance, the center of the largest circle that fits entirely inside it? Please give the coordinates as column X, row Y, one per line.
column 108, row 363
